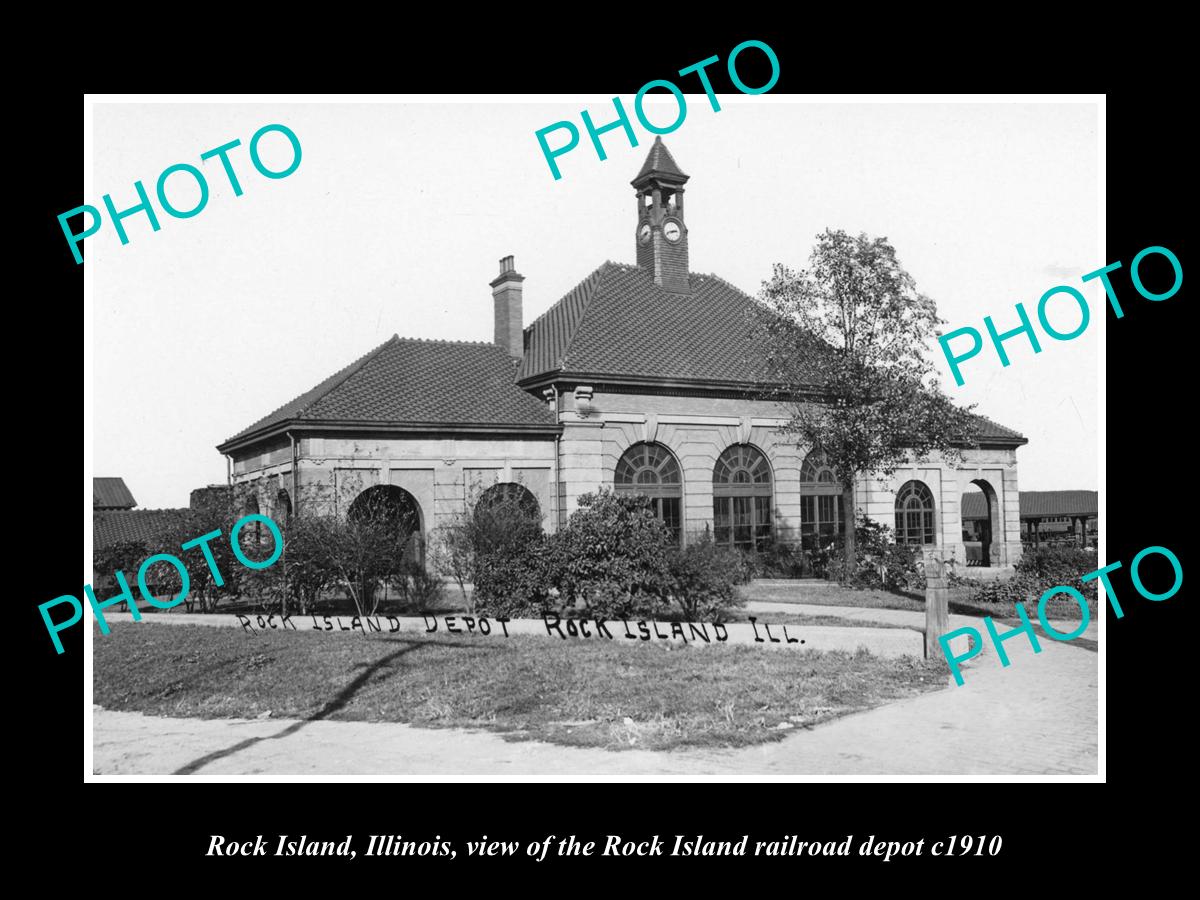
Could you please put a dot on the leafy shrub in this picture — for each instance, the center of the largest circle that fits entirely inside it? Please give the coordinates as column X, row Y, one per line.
column 219, row 514
column 514, row 580
column 614, row 560
column 1062, row 564
column 422, row 590
column 880, row 562
column 774, row 559
column 613, row 557
column 703, row 579
column 1037, row 572
column 471, row 545
column 306, row 564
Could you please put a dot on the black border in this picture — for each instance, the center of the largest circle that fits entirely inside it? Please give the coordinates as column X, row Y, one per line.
column 1148, row 417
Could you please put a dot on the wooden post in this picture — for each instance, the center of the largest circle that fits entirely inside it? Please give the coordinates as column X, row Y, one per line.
column 937, row 603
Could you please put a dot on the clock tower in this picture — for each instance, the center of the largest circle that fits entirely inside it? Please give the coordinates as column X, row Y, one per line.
column 662, row 235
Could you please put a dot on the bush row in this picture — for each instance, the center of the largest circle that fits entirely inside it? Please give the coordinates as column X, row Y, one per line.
column 880, row 563
column 1039, row 570
column 613, row 559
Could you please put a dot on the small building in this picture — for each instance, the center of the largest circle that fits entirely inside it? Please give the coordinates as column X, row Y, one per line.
column 1046, row 517
column 111, row 493
column 123, row 536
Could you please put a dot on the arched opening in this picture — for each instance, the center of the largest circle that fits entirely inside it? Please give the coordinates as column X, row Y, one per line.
column 981, row 525
column 915, row 520
column 820, row 503
column 652, row 470
column 252, row 534
column 506, row 515
column 398, row 510
column 742, row 498
column 509, row 493
column 283, row 505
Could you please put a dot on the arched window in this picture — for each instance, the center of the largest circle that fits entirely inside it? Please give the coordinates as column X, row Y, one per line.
column 914, row 515
column 509, row 492
column 283, row 505
column 820, row 502
column 742, row 498
column 651, row 470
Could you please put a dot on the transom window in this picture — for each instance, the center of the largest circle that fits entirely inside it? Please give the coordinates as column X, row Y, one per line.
column 817, row 470
column 651, row 470
column 742, row 499
column 914, row 515
column 820, row 502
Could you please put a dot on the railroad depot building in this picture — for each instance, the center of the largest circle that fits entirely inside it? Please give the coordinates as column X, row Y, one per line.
column 638, row 380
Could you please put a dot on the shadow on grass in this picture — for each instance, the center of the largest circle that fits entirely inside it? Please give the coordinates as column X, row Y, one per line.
column 340, row 700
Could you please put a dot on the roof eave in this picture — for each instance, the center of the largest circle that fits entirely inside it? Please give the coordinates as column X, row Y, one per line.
column 995, row 443
column 545, row 379
column 328, row 425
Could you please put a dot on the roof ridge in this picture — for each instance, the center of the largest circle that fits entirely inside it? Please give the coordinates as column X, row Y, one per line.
column 724, row 281
column 1065, row 491
column 351, row 370
column 354, row 369
column 573, row 289
column 601, row 272
column 422, row 340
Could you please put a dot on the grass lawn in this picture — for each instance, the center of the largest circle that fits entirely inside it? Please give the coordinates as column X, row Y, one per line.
column 829, row 594
column 787, row 618
column 581, row 693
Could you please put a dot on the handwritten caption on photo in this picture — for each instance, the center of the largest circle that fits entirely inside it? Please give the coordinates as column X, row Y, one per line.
column 599, row 629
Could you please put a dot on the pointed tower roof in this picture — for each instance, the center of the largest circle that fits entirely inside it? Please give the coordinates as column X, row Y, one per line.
column 660, row 164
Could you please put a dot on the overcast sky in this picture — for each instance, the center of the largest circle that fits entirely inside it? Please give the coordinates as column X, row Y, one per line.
column 398, row 213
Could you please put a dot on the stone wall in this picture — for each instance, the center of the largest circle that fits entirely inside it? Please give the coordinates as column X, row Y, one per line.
column 698, row 429
column 443, row 474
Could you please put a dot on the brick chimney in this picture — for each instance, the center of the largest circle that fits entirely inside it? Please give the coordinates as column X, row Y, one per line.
column 506, row 294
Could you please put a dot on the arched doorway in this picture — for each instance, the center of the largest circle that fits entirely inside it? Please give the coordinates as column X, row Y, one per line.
column 283, row 506
column 509, row 492
column 396, row 508
column 652, row 470
column 506, row 515
column 742, row 498
column 915, row 515
column 982, row 528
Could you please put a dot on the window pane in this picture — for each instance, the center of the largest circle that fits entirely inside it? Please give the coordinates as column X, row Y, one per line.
column 722, row 520
column 669, row 512
column 741, row 521
column 762, row 522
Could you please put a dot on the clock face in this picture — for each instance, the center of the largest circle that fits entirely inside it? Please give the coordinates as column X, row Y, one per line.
column 672, row 232
column 644, row 234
